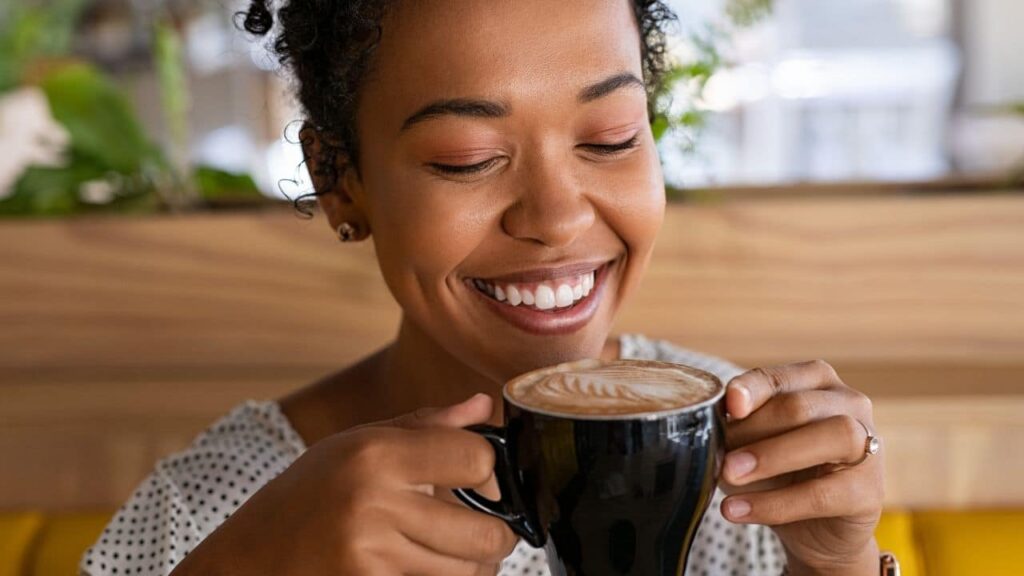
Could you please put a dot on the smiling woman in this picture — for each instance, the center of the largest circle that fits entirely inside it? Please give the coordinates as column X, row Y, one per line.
column 500, row 156
column 514, row 151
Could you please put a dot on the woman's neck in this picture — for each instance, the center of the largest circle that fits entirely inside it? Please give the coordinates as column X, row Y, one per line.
column 414, row 371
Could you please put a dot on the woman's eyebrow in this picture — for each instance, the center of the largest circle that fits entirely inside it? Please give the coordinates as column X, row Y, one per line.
column 609, row 85
column 457, row 107
column 473, row 108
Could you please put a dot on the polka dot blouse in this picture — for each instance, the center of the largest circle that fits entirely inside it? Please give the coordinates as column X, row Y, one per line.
column 190, row 493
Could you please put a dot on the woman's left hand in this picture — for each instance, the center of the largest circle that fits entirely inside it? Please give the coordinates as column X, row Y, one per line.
column 791, row 432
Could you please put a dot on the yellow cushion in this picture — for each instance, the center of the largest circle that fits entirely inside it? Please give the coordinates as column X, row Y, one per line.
column 962, row 543
column 895, row 533
column 17, row 532
column 63, row 540
column 971, row 543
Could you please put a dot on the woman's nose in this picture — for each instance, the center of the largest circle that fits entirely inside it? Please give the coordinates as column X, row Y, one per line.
column 551, row 208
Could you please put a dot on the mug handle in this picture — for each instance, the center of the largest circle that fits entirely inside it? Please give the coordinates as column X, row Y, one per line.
column 510, row 508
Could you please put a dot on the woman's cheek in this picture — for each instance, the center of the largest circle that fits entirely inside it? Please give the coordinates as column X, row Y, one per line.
column 427, row 230
column 636, row 196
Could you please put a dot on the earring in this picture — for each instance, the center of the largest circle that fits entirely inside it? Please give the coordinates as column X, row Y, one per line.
column 346, row 232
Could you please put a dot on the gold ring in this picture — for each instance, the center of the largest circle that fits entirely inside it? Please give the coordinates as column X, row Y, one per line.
column 872, row 444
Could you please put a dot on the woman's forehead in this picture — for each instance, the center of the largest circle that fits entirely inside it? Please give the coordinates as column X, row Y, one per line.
column 514, row 51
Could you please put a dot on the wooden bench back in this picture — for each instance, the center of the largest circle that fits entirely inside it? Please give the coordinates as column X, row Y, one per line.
column 122, row 337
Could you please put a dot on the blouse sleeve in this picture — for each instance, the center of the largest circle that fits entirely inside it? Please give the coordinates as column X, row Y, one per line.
column 191, row 493
column 149, row 535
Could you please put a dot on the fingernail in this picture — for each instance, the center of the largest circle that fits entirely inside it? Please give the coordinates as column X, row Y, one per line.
column 743, row 390
column 744, row 393
column 739, row 464
column 737, row 508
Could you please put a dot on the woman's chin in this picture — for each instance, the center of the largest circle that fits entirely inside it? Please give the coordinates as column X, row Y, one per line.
column 531, row 353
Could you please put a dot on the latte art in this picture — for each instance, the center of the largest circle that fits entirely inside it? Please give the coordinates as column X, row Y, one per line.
column 616, row 388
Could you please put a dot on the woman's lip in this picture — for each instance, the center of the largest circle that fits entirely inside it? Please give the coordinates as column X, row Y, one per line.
column 550, row 322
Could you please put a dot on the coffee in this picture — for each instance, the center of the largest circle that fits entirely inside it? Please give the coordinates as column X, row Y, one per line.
column 617, row 388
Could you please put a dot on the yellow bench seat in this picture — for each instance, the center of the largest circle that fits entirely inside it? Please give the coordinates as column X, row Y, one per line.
column 932, row 543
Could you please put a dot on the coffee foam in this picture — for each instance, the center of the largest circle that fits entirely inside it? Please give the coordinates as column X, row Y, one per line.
column 612, row 388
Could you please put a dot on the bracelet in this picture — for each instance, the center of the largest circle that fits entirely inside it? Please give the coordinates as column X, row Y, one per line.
column 887, row 562
column 890, row 566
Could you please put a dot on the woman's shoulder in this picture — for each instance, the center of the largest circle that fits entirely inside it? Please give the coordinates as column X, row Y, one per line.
column 232, row 458
column 191, row 492
column 253, row 422
column 641, row 347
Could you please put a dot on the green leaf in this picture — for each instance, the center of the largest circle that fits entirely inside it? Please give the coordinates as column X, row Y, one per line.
column 145, row 201
column 692, row 118
column 748, row 12
column 659, row 127
column 99, row 118
column 213, row 183
column 45, row 191
column 49, row 191
column 32, row 29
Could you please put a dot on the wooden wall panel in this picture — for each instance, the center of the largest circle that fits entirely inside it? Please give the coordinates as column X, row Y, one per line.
column 902, row 279
column 121, row 337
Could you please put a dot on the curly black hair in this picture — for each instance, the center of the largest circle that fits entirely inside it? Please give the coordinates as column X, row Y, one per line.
column 327, row 45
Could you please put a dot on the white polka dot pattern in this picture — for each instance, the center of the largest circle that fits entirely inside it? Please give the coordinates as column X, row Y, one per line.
column 192, row 492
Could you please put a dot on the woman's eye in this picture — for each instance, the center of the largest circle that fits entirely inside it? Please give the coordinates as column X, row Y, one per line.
column 609, row 149
column 469, row 169
column 456, row 169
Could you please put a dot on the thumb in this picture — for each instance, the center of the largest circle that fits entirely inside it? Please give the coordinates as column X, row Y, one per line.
column 474, row 410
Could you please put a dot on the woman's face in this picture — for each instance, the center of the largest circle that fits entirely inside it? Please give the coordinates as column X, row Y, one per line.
column 505, row 151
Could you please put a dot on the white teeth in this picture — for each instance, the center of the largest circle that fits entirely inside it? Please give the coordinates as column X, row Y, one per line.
column 545, row 297
column 563, row 296
column 527, row 297
column 514, row 297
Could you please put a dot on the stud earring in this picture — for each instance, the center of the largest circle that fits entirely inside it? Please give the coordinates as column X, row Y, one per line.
column 346, row 232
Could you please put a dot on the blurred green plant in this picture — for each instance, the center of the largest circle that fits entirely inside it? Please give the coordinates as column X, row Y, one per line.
column 169, row 63
column 109, row 160
column 30, row 30
column 748, row 12
column 694, row 74
column 214, row 184
column 689, row 78
column 111, row 164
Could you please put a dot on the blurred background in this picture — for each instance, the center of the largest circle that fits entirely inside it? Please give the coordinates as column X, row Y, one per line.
column 846, row 181
column 766, row 94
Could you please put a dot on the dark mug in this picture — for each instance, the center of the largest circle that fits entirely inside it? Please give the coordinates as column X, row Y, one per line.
column 607, row 493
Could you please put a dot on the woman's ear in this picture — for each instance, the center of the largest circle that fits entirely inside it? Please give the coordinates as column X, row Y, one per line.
column 336, row 181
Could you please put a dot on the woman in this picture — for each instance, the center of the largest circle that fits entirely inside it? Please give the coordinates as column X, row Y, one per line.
column 500, row 157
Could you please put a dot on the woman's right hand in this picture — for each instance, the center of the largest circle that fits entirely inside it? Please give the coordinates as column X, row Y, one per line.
column 362, row 502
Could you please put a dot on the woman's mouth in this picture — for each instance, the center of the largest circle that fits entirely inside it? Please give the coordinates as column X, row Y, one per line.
column 560, row 293
column 558, row 305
